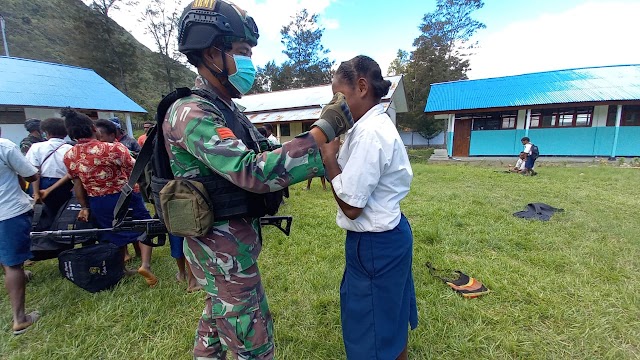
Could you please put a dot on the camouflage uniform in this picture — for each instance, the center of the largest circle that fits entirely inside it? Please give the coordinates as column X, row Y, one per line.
column 26, row 143
column 236, row 316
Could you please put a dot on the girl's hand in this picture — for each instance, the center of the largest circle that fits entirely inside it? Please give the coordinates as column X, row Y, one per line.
column 330, row 150
column 83, row 215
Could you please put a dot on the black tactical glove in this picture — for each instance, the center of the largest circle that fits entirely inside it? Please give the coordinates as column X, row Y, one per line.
column 335, row 118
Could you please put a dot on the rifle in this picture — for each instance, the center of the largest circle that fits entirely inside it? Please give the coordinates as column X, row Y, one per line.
column 153, row 228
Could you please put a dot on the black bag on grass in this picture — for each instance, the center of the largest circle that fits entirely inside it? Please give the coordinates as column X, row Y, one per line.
column 94, row 267
column 48, row 247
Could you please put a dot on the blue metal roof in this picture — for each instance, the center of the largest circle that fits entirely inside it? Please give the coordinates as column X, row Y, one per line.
column 606, row 83
column 25, row 82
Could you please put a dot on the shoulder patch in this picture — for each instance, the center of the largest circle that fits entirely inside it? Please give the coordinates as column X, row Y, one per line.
column 225, row 133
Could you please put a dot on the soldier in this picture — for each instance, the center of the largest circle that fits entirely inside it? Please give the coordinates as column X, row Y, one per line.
column 126, row 140
column 207, row 137
column 35, row 135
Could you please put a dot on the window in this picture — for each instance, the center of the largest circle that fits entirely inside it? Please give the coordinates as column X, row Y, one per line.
column 630, row 115
column 565, row 117
column 492, row 120
column 12, row 115
column 285, row 130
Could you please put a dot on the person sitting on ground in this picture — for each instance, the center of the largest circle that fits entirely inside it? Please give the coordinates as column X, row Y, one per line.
column 126, row 140
column 15, row 224
column 147, row 126
column 519, row 168
column 48, row 156
column 99, row 171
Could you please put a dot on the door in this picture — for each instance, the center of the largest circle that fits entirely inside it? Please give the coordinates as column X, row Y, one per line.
column 461, row 138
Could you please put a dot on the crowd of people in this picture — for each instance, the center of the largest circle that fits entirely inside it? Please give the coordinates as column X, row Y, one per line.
column 369, row 172
column 49, row 168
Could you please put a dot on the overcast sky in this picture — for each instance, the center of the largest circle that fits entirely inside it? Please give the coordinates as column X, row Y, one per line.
column 522, row 36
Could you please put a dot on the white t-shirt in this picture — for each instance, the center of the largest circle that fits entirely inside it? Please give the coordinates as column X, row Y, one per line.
column 527, row 149
column 12, row 163
column 520, row 164
column 376, row 173
column 54, row 166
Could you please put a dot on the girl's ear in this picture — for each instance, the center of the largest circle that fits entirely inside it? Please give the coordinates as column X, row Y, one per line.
column 363, row 87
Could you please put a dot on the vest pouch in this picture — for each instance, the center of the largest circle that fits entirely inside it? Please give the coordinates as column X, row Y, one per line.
column 186, row 208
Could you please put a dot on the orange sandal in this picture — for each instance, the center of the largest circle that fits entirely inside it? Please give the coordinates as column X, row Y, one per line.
column 151, row 279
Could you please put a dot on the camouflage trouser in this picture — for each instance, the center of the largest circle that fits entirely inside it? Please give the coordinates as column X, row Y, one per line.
column 236, row 317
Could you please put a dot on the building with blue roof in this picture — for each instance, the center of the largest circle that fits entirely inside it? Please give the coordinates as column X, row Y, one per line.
column 37, row 89
column 575, row 112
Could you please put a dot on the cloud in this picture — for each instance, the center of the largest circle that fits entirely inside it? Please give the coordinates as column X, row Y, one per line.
column 331, row 24
column 590, row 34
column 270, row 15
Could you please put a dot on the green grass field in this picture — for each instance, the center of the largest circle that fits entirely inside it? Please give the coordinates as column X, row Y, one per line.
column 564, row 289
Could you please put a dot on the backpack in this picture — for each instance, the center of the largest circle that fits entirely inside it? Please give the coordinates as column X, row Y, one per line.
column 535, row 152
column 94, row 268
column 48, row 247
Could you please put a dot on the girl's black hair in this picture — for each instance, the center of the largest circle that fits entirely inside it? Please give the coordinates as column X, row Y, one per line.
column 363, row 66
column 79, row 126
column 54, row 127
column 107, row 125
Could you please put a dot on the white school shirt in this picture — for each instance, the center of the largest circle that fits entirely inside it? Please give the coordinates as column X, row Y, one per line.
column 54, row 166
column 520, row 165
column 12, row 163
column 376, row 173
column 527, row 149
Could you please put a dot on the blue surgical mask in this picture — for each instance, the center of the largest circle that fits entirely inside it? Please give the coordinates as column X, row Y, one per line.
column 245, row 74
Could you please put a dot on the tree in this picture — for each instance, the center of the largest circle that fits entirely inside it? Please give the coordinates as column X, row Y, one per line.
column 117, row 55
column 399, row 64
column 307, row 61
column 440, row 55
column 162, row 23
column 307, row 64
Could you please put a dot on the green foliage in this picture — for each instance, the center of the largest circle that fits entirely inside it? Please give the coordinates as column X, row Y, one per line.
column 307, row 65
column 69, row 32
column 439, row 56
column 162, row 22
column 563, row 289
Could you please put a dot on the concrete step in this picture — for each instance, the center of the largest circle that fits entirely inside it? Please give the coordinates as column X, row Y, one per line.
column 439, row 155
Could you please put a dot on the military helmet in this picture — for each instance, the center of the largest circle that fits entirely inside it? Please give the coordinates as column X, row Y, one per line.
column 205, row 21
column 32, row 125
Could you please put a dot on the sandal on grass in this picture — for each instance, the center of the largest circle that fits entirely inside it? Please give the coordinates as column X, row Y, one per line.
column 22, row 327
column 151, row 279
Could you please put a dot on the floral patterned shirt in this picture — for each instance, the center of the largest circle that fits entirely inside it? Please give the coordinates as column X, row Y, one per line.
column 102, row 167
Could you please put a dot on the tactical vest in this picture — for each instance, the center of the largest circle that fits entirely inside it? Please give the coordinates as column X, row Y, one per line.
column 228, row 200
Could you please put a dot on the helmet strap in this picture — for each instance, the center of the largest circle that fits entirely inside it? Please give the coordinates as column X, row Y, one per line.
column 223, row 75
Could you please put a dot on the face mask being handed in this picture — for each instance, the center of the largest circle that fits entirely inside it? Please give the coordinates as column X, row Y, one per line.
column 245, row 74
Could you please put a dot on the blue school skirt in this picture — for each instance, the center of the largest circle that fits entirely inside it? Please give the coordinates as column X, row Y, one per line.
column 377, row 295
column 102, row 216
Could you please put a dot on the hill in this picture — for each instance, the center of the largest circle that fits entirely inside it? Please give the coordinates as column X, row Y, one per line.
column 69, row 32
